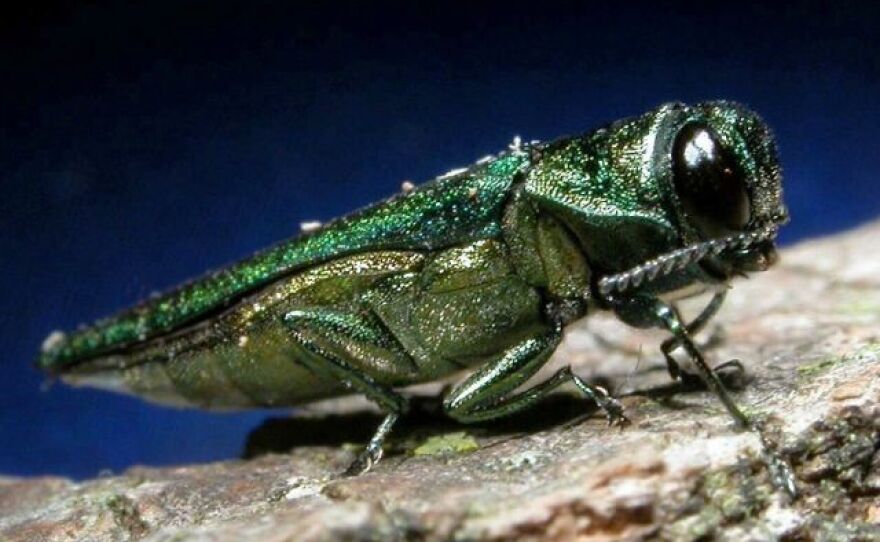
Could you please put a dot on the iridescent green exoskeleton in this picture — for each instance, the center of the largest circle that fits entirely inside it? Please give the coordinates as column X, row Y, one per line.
column 479, row 269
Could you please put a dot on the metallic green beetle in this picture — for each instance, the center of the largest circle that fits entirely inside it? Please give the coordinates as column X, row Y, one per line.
column 481, row 268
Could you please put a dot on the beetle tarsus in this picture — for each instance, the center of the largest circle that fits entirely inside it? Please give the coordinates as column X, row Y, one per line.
column 373, row 452
column 612, row 408
column 732, row 374
column 781, row 472
column 364, row 461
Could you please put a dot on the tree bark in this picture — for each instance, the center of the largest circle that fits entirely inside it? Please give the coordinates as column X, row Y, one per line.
column 806, row 331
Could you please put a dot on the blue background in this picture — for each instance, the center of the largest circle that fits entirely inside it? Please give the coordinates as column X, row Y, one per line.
column 143, row 145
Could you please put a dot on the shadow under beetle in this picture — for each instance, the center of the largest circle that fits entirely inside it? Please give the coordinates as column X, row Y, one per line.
column 480, row 268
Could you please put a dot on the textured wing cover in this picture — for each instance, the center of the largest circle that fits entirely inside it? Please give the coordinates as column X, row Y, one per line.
column 441, row 213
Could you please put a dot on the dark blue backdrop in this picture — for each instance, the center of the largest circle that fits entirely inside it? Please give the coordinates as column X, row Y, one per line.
column 143, row 145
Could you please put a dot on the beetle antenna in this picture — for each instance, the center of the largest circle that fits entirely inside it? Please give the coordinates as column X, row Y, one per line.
column 678, row 259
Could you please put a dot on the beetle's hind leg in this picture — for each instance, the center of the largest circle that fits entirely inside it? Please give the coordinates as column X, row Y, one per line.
column 485, row 394
column 359, row 352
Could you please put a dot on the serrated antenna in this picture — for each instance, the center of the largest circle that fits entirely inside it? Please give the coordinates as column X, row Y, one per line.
column 677, row 260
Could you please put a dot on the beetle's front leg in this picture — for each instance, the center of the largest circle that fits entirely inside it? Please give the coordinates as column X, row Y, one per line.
column 780, row 469
column 484, row 395
column 352, row 349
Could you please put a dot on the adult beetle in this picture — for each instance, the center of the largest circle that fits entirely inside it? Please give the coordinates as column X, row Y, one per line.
column 480, row 268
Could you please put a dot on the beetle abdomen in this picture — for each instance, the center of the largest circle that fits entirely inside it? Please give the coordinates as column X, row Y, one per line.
column 243, row 358
column 260, row 374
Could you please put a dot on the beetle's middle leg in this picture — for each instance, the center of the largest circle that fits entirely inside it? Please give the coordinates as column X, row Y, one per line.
column 484, row 395
column 670, row 344
column 354, row 350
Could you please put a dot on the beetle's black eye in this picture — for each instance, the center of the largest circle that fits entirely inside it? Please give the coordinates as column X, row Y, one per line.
column 708, row 181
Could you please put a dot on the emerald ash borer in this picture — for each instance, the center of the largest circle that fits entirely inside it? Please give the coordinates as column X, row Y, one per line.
column 479, row 270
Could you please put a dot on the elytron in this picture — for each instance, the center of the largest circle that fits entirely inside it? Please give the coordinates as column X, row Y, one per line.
column 479, row 270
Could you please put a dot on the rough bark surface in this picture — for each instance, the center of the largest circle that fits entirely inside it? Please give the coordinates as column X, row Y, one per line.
column 807, row 332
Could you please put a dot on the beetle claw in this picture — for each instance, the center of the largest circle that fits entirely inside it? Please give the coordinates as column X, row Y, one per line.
column 614, row 413
column 364, row 461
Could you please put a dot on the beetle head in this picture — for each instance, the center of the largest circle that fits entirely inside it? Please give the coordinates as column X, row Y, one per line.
column 724, row 182
column 717, row 166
